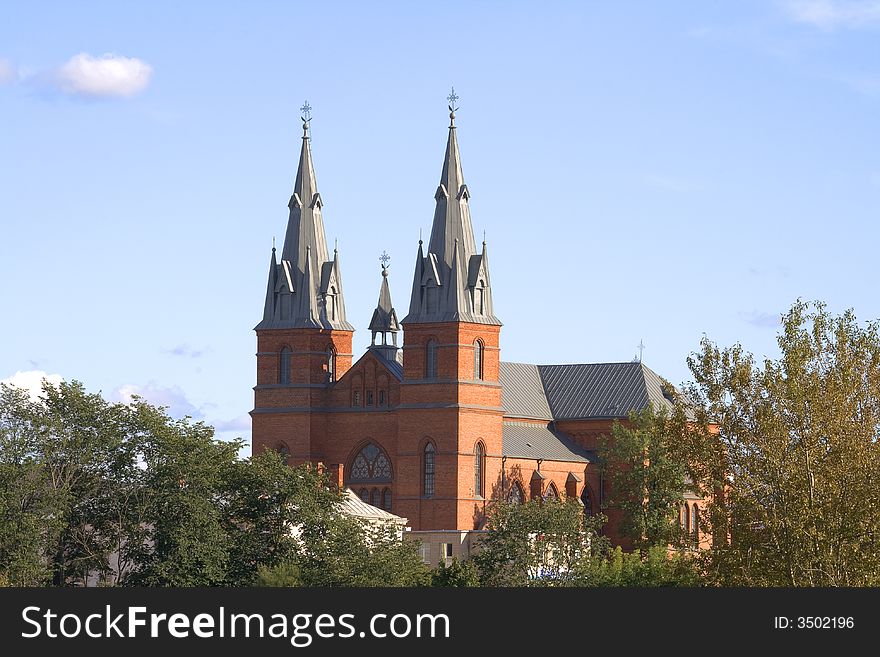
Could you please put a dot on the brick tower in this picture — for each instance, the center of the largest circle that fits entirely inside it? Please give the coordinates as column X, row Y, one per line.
column 450, row 413
column 304, row 342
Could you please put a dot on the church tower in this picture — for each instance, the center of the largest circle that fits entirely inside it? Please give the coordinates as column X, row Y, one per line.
column 450, row 416
column 304, row 342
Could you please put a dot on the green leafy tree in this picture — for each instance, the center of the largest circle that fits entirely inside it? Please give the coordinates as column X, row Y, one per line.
column 536, row 543
column 645, row 462
column 655, row 567
column 794, row 463
column 456, row 574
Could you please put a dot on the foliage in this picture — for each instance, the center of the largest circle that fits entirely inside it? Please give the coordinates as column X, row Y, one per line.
column 655, row 567
column 118, row 494
column 536, row 543
column 457, row 573
column 284, row 574
column 794, row 463
column 345, row 551
column 645, row 462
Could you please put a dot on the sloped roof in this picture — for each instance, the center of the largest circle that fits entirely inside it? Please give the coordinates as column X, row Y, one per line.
column 355, row 506
column 600, row 390
column 522, row 392
column 540, row 441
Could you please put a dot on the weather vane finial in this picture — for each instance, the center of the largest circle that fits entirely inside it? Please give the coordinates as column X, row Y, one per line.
column 306, row 110
column 452, row 98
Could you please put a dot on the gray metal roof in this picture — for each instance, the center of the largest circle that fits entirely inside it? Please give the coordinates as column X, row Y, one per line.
column 522, row 392
column 353, row 505
column 299, row 292
column 451, row 281
column 601, row 390
column 540, row 441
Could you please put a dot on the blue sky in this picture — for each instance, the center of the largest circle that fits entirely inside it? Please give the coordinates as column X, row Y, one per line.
column 643, row 171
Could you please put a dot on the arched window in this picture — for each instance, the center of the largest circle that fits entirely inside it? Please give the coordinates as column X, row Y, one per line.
column 478, row 360
column 588, row 502
column 551, row 494
column 331, row 304
column 695, row 524
column 479, row 462
column 371, row 464
column 428, row 471
column 386, row 499
column 283, row 452
column 331, row 364
column 479, row 297
column 364, row 494
column 685, row 519
column 516, row 495
column 374, row 497
column 431, row 359
column 284, row 366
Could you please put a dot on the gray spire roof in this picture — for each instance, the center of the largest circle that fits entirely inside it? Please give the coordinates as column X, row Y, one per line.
column 305, row 288
column 451, row 282
column 384, row 317
column 384, row 321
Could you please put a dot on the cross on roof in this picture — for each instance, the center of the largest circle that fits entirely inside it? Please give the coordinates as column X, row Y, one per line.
column 384, row 259
column 452, row 98
column 306, row 109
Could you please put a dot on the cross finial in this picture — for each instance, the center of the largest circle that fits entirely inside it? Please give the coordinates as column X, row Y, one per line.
column 384, row 259
column 306, row 110
column 641, row 349
column 452, row 107
column 452, row 98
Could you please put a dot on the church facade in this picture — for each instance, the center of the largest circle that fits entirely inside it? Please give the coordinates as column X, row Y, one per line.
column 433, row 426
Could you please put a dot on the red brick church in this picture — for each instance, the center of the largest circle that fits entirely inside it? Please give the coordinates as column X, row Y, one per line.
column 432, row 429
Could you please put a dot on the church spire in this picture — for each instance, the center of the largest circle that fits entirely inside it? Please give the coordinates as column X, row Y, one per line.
column 452, row 260
column 384, row 320
column 307, row 284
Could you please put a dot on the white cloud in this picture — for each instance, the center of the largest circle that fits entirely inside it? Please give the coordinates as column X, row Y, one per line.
column 8, row 73
column 760, row 319
column 32, row 381
column 102, row 77
column 831, row 14
column 240, row 423
column 171, row 397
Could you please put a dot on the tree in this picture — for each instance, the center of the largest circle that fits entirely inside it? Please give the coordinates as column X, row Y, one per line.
column 536, row 543
column 653, row 567
column 794, row 465
column 456, row 574
column 645, row 462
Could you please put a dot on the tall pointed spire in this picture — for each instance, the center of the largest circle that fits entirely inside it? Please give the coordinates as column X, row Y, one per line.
column 306, row 280
column 384, row 320
column 452, row 260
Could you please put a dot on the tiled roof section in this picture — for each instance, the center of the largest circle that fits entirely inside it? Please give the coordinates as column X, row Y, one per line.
column 600, row 390
column 355, row 506
column 540, row 441
column 395, row 367
column 522, row 393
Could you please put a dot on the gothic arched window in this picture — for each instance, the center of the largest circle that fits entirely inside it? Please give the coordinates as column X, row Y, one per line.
column 386, row 499
column 685, row 519
column 374, row 497
column 371, row 464
column 479, row 297
column 364, row 494
column 695, row 524
column 284, row 366
column 331, row 363
column 428, row 471
column 431, row 359
column 283, row 452
column 479, row 349
column 588, row 502
column 516, row 495
column 551, row 494
column 479, row 462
